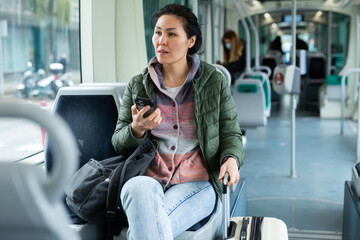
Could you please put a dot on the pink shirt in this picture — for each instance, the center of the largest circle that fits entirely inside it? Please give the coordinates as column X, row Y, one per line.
column 178, row 158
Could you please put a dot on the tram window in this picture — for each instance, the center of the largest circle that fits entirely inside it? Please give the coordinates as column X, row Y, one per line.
column 33, row 36
column 340, row 41
column 288, row 18
column 21, row 141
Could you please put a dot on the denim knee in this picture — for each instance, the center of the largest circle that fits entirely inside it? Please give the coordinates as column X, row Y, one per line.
column 140, row 187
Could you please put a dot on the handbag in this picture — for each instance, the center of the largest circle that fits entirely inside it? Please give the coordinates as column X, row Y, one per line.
column 93, row 192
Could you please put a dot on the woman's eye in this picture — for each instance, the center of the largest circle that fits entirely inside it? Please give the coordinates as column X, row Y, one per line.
column 158, row 33
column 172, row 34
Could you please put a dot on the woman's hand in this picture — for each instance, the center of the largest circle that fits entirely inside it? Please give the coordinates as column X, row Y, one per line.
column 230, row 166
column 140, row 124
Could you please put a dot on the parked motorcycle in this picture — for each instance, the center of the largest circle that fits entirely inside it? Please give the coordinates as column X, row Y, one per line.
column 41, row 85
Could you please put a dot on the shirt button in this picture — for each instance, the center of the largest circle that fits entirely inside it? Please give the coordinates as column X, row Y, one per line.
column 173, row 147
column 170, row 169
column 175, row 126
column 173, row 104
column 163, row 182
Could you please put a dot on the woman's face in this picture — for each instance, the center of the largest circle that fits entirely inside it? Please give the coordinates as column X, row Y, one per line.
column 170, row 40
column 227, row 43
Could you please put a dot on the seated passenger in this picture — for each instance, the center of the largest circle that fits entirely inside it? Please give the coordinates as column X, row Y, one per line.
column 301, row 44
column 276, row 45
column 233, row 54
column 195, row 125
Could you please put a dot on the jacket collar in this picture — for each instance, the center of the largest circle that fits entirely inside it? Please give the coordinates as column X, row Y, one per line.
column 203, row 74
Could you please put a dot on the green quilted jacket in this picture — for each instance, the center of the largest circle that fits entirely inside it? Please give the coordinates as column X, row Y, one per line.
column 216, row 118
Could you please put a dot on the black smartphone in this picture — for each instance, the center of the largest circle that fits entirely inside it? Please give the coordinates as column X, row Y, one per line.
column 142, row 102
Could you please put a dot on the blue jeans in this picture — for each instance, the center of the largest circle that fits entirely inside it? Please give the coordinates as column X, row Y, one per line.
column 153, row 214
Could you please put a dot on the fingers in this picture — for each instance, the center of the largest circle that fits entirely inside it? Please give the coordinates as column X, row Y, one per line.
column 230, row 166
column 233, row 178
column 222, row 173
column 134, row 110
column 140, row 123
column 143, row 111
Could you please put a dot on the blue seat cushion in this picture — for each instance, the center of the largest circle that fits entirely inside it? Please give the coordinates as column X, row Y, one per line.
column 92, row 119
column 357, row 166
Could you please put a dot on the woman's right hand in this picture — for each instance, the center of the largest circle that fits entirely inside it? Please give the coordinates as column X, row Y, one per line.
column 140, row 124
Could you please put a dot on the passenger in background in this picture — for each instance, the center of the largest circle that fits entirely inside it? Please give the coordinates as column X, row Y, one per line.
column 301, row 44
column 276, row 45
column 63, row 61
column 233, row 54
column 195, row 125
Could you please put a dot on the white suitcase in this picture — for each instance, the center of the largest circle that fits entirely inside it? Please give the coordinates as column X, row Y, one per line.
column 250, row 228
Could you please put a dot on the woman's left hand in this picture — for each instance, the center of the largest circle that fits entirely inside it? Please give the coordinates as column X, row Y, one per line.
column 230, row 166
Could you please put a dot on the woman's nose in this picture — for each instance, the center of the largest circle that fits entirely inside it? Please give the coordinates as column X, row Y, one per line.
column 162, row 39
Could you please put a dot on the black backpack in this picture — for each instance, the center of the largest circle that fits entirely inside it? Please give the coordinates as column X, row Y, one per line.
column 93, row 192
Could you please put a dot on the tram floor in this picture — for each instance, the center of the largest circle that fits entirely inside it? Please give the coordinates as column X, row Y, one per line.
column 311, row 204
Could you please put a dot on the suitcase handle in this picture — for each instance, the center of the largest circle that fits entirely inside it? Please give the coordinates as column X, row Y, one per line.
column 226, row 205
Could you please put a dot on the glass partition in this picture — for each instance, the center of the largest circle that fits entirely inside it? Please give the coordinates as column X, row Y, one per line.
column 340, row 41
column 39, row 54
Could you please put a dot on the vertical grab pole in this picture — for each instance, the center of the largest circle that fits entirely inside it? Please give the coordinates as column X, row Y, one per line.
column 212, row 23
column 293, row 99
column 293, row 134
column 358, row 127
column 342, row 95
column 256, row 37
column 248, row 39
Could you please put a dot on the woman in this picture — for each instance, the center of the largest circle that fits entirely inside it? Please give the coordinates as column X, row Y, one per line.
column 233, row 50
column 195, row 125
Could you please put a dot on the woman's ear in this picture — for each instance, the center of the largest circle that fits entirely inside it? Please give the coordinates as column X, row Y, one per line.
column 191, row 41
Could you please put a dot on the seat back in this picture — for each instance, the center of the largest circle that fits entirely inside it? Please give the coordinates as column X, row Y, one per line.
column 316, row 76
column 119, row 87
column 316, row 66
column 30, row 202
column 91, row 113
column 249, row 99
column 264, row 79
column 224, row 72
column 272, row 59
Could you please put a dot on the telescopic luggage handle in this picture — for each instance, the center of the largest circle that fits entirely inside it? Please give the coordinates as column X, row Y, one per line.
column 226, row 205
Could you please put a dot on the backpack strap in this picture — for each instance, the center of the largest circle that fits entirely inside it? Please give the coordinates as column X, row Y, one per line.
column 139, row 160
column 112, row 222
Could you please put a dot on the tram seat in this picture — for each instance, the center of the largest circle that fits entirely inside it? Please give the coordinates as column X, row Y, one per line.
column 119, row 87
column 315, row 77
column 355, row 177
column 316, row 66
column 31, row 202
column 83, row 107
column 91, row 113
column 271, row 59
column 264, row 79
column 208, row 228
column 224, row 71
column 249, row 99
column 333, row 88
